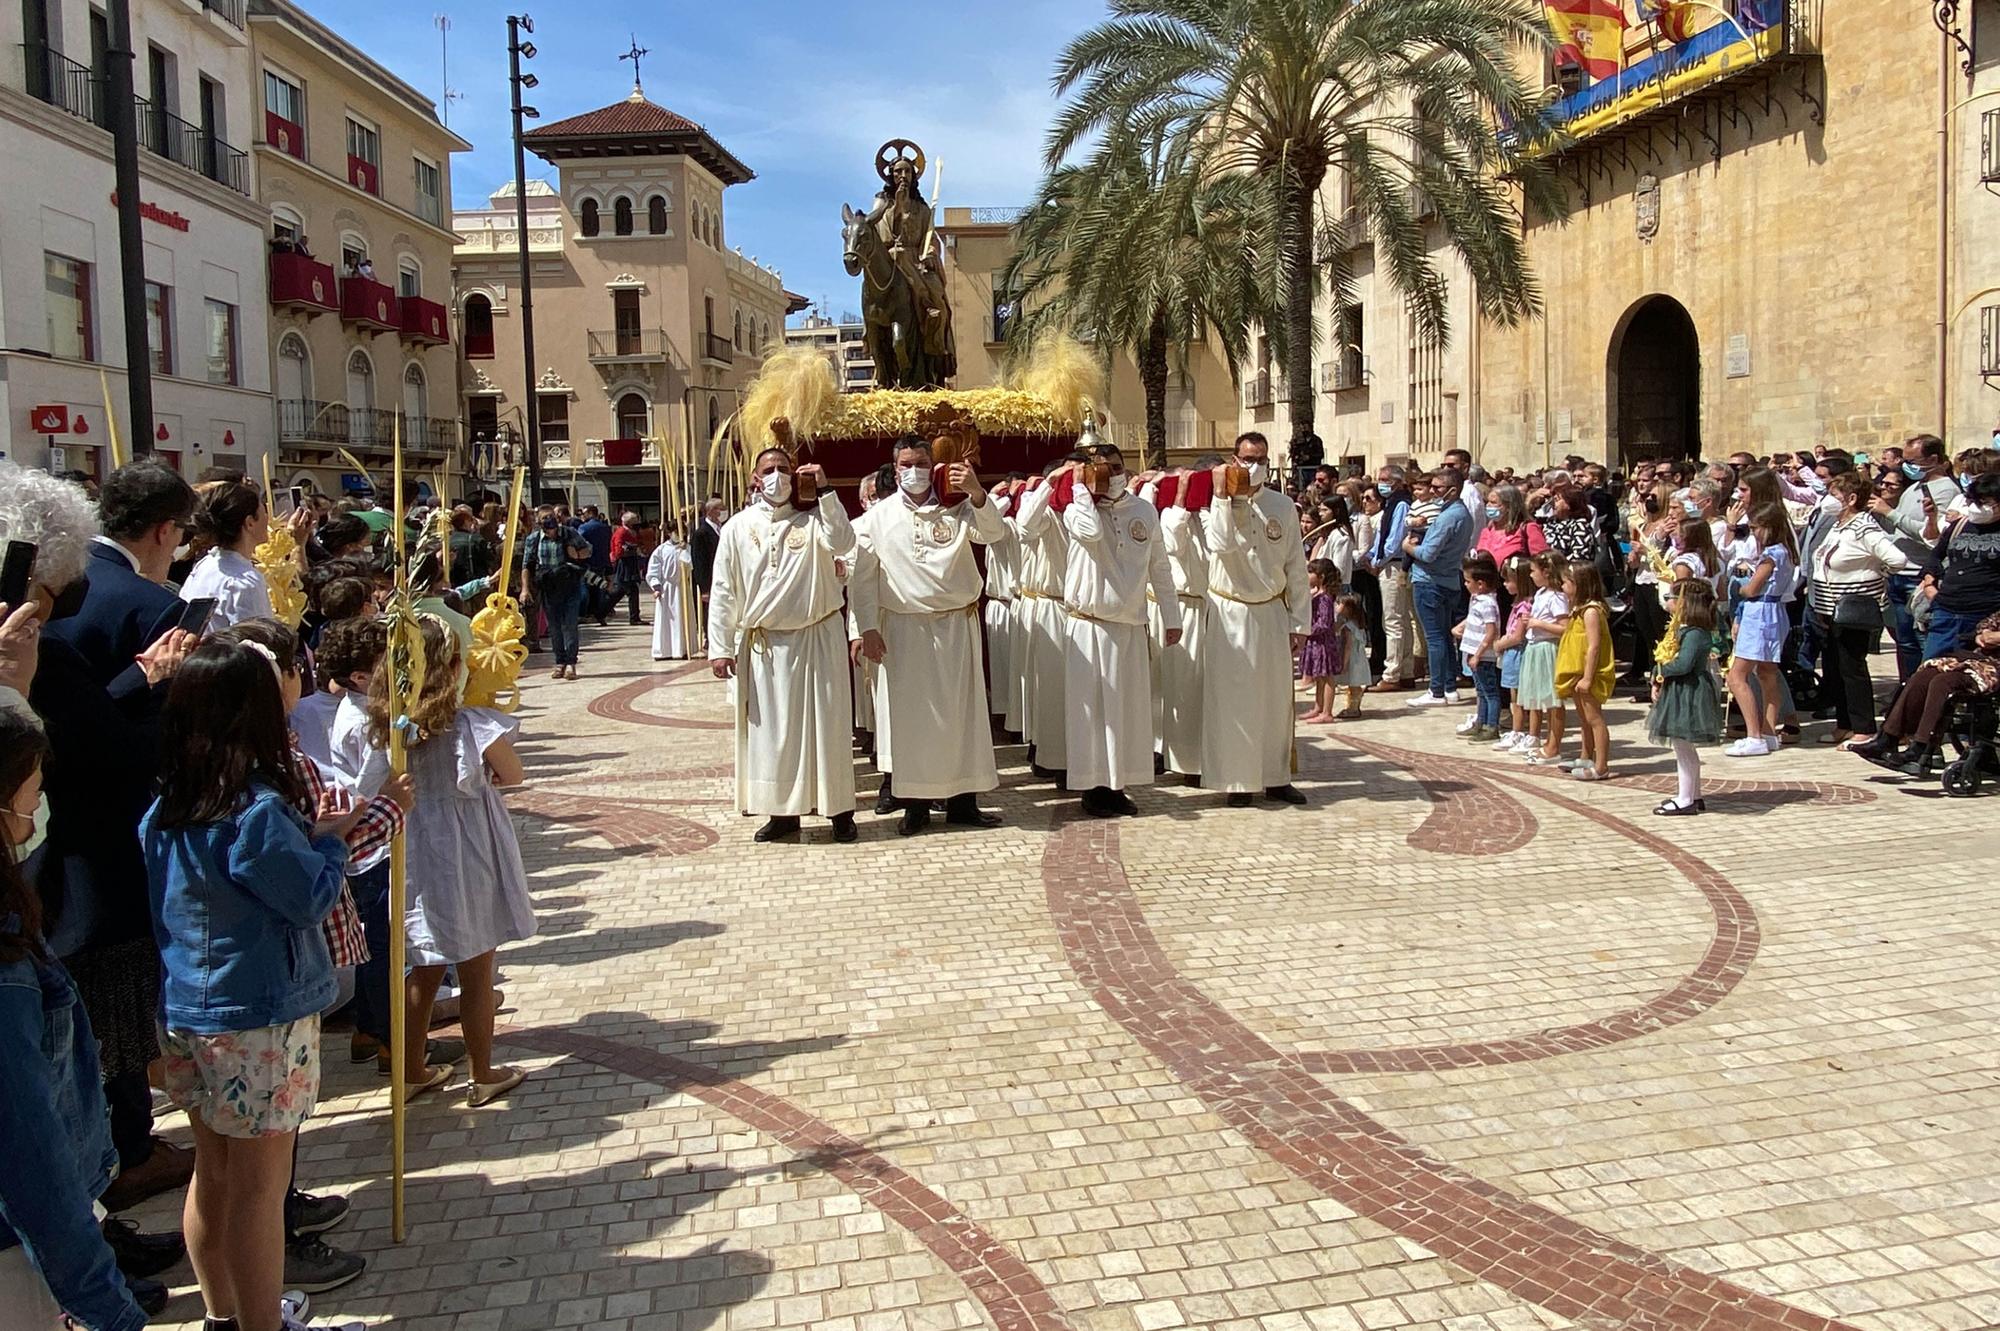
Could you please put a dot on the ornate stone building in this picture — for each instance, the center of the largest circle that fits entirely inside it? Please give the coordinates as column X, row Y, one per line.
column 646, row 323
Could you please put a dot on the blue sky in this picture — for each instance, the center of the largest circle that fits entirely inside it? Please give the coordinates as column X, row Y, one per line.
column 801, row 92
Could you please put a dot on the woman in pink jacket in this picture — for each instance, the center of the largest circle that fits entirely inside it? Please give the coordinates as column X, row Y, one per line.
column 1509, row 531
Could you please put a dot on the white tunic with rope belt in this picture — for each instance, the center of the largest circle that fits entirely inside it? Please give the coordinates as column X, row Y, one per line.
column 774, row 609
column 1044, row 638
column 1256, row 601
column 1116, row 556
column 916, row 579
column 1178, row 731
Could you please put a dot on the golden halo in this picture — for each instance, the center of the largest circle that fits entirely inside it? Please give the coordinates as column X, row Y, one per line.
column 898, row 150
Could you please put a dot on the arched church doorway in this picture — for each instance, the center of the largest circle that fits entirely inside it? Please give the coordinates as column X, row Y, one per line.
column 1655, row 383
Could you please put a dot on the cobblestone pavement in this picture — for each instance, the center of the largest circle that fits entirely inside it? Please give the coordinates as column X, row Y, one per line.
column 1462, row 1046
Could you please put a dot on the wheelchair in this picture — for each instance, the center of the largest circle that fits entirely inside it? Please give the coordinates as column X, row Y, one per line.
column 1971, row 729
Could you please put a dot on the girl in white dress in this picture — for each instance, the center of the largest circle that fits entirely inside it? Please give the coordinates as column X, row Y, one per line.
column 468, row 888
column 663, row 575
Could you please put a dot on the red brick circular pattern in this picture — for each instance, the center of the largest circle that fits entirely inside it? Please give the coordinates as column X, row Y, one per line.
column 1468, row 814
column 1005, row 1286
column 1724, row 963
column 621, row 823
column 617, row 705
column 1277, row 1102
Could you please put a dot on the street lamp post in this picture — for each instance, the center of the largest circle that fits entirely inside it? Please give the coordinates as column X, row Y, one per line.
column 122, row 115
column 516, row 49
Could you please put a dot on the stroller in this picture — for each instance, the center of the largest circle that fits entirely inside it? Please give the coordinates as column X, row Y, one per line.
column 1970, row 730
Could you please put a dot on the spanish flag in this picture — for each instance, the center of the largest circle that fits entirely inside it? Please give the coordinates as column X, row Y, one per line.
column 1589, row 33
column 1675, row 17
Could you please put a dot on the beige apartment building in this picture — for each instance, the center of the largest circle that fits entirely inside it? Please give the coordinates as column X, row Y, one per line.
column 1970, row 291
column 355, row 167
column 978, row 245
column 844, row 343
column 647, row 324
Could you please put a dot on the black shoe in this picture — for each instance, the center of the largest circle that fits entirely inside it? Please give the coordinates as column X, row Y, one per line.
column 886, row 803
column 150, row 1295
column 964, row 811
column 142, row 1255
column 1239, row 799
column 1100, row 802
column 307, row 1213
column 843, row 828
column 779, row 828
column 1673, row 808
column 1285, row 794
column 1159, row 763
column 1123, row 803
column 1920, row 760
column 1878, row 748
column 1044, row 773
column 916, row 817
column 313, row 1266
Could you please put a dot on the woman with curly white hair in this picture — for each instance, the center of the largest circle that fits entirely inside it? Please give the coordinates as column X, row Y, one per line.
column 56, row 518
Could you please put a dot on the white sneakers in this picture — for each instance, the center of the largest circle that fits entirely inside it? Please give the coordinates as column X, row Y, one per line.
column 1752, row 746
column 1507, row 742
column 1469, row 724
column 1429, row 699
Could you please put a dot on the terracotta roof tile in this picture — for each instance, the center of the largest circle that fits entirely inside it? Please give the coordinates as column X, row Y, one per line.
column 626, row 117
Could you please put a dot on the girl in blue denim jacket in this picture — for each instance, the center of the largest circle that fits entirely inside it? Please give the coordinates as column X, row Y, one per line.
column 240, row 883
column 53, row 1258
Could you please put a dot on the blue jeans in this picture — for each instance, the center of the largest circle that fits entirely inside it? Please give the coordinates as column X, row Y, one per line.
column 1435, row 605
column 372, row 991
column 1909, row 647
column 1486, row 684
column 1950, row 631
column 562, row 612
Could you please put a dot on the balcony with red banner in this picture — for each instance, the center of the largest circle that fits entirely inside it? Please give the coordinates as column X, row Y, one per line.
column 364, row 174
column 425, row 322
column 370, row 304
column 303, row 282
column 285, row 135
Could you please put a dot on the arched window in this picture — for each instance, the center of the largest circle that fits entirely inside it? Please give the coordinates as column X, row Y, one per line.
column 632, row 417
column 361, row 428
column 416, row 402
column 478, row 327
column 763, row 335
column 715, row 230
column 295, row 380
column 656, row 215
column 588, row 217
column 736, row 337
column 714, row 416
column 621, row 216
column 287, row 225
column 409, row 277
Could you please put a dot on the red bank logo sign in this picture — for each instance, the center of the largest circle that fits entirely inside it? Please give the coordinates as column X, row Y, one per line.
column 48, row 419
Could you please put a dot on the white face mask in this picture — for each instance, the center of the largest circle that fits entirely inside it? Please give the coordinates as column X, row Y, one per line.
column 914, row 481
column 1117, row 486
column 1259, row 473
column 38, row 828
column 776, row 488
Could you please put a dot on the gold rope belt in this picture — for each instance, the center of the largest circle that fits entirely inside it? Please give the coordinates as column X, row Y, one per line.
column 1225, row 596
column 758, row 640
column 1075, row 613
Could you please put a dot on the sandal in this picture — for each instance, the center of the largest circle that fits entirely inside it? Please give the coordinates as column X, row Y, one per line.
column 485, row 1092
column 435, row 1075
column 1673, row 808
column 1588, row 774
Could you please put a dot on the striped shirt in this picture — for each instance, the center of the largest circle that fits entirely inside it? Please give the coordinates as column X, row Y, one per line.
column 1855, row 559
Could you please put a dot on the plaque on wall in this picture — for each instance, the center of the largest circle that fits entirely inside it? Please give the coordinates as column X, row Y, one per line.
column 1646, row 206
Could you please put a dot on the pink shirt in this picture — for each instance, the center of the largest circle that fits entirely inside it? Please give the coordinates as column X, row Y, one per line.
column 1526, row 539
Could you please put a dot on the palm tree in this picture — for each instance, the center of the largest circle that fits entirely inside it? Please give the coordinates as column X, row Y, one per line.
column 1411, row 99
column 1132, row 248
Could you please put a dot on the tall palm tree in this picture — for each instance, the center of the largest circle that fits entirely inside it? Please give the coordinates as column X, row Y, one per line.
column 1411, row 99
column 1131, row 247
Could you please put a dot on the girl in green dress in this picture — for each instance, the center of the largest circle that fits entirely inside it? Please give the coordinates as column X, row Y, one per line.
column 1687, row 703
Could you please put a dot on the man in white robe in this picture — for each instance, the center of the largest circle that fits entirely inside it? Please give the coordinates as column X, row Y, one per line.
column 774, row 624
column 1258, row 613
column 1178, row 734
column 1115, row 557
column 1044, row 628
column 1003, row 572
column 666, row 572
column 915, row 599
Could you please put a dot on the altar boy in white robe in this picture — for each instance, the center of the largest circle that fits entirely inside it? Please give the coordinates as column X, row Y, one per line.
column 664, row 572
column 1258, row 613
column 1115, row 556
column 774, row 623
column 914, row 561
